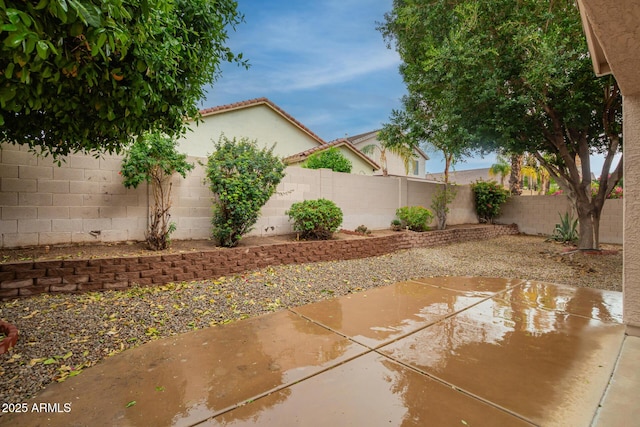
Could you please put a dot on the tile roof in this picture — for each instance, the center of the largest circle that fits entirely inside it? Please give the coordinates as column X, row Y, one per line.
column 260, row 101
column 299, row 157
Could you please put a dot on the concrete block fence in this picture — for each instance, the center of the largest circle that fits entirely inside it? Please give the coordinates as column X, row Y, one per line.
column 28, row 278
column 83, row 201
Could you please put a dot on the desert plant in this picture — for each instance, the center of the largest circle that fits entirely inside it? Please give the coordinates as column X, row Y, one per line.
column 316, row 219
column 416, row 218
column 154, row 158
column 329, row 159
column 440, row 204
column 489, row 198
column 567, row 230
column 362, row 229
column 396, row 225
column 242, row 177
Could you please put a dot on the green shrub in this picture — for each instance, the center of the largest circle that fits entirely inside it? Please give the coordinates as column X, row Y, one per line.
column 329, row 159
column 243, row 178
column 396, row 225
column 416, row 218
column 154, row 158
column 316, row 219
column 489, row 198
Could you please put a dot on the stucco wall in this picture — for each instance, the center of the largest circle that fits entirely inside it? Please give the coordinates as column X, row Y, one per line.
column 258, row 122
column 631, row 269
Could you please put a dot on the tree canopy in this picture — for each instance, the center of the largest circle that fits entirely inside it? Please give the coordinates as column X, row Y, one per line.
column 515, row 76
column 90, row 75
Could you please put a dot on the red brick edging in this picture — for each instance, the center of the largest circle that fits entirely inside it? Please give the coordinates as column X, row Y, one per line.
column 11, row 336
column 35, row 277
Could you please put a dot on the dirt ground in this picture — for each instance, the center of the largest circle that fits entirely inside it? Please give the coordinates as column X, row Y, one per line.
column 124, row 249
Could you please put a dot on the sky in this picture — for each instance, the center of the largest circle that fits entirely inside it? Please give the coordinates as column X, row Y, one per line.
column 324, row 63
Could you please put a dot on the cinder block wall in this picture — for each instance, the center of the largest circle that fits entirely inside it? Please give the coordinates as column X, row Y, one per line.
column 81, row 201
column 539, row 215
column 84, row 201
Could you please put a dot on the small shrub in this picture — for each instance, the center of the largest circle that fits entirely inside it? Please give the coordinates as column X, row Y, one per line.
column 489, row 198
column 362, row 229
column 567, row 230
column 329, row 159
column 416, row 218
column 396, row 225
column 315, row 219
column 154, row 158
column 243, row 177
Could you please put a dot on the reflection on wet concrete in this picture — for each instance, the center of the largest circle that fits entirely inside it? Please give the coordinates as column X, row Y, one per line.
column 369, row 391
column 433, row 351
column 186, row 379
column 522, row 350
column 376, row 317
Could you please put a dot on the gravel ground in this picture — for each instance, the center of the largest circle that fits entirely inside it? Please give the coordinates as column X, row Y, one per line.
column 61, row 335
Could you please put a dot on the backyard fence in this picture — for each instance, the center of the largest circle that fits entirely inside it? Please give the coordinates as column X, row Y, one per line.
column 84, row 201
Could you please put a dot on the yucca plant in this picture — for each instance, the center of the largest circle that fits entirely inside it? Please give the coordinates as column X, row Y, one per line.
column 567, row 230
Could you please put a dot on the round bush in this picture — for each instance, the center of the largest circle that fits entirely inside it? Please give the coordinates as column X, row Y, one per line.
column 329, row 159
column 489, row 198
column 416, row 218
column 315, row 219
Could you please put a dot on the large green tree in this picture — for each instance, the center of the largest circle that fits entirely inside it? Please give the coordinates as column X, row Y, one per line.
column 516, row 75
column 89, row 75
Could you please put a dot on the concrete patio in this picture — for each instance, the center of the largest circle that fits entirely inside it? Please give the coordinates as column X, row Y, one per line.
column 434, row 351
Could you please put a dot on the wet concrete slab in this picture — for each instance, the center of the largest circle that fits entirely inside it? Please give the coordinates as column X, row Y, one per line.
column 485, row 286
column 368, row 391
column 620, row 405
column 549, row 366
column 433, row 351
column 185, row 379
column 381, row 315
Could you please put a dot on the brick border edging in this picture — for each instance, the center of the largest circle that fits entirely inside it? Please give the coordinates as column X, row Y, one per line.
column 11, row 338
column 28, row 278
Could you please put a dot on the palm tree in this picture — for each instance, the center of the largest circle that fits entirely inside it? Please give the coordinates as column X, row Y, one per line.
column 502, row 168
column 515, row 180
column 405, row 152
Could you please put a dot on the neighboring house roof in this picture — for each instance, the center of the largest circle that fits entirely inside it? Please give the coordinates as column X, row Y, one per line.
column 256, row 102
column 341, row 142
column 358, row 139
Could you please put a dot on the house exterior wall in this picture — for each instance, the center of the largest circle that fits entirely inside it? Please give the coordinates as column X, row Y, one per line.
column 395, row 165
column 631, row 254
column 358, row 165
column 258, row 122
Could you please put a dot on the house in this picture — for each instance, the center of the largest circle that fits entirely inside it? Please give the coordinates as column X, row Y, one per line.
column 257, row 119
column 465, row 176
column 361, row 164
column 394, row 163
column 261, row 120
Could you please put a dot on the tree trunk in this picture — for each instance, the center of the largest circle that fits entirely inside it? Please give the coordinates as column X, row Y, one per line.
column 588, row 226
column 516, row 175
column 383, row 161
column 447, row 164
